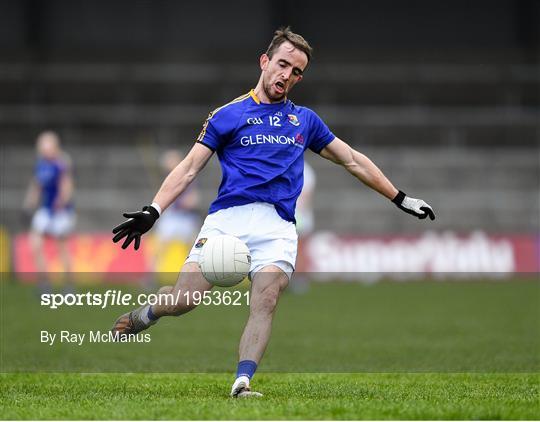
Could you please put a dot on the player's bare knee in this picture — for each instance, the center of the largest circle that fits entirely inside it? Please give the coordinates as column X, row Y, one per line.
column 189, row 269
column 283, row 283
column 268, row 303
column 165, row 290
column 174, row 301
column 265, row 301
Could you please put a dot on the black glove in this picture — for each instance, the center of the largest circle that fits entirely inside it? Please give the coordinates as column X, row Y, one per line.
column 413, row 206
column 139, row 223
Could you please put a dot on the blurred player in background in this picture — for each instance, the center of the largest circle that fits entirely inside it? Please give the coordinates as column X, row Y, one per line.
column 305, row 224
column 181, row 221
column 50, row 195
column 260, row 139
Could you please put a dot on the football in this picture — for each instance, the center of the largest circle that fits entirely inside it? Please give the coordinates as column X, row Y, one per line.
column 225, row 260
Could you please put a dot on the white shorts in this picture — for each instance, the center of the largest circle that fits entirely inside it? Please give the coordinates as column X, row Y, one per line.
column 271, row 239
column 177, row 225
column 58, row 223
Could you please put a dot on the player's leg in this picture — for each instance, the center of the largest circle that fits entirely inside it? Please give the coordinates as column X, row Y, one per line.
column 40, row 262
column 36, row 243
column 61, row 226
column 178, row 300
column 39, row 225
column 267, row 285
column 65, row 256
column 273, row 245
column 173, row 301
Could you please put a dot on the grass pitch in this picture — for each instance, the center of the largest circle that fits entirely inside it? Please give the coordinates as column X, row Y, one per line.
column 425, row 350
column 287, row 396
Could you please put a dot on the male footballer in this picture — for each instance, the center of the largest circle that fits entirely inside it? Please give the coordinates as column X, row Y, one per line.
column 260, row 139
column 50, row 194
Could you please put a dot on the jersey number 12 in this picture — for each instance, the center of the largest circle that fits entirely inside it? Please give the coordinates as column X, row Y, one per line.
column 274, row 121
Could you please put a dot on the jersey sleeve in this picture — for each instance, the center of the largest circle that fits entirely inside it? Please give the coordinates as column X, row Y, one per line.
column 209, row 135
column 218, row 127
column 320, row 135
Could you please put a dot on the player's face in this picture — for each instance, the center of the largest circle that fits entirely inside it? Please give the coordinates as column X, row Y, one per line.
column 48, row 147
column 283, row 71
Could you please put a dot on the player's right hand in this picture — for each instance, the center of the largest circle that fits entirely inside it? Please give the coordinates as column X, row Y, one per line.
column 138, row 223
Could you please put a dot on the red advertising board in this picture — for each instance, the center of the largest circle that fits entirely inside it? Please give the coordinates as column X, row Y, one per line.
column 324, row 255
column 430, row 253
column 90, row 253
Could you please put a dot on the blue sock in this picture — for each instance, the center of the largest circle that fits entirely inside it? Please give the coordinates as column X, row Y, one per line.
column 151, row 315
column 246, row 368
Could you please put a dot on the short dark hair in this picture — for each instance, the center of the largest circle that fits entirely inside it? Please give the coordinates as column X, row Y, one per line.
column 285, row 34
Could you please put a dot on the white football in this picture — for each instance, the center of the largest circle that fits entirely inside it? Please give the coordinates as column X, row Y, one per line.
column 225, row 260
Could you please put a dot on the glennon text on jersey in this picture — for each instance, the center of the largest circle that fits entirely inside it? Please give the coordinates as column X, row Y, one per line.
column 268, row 139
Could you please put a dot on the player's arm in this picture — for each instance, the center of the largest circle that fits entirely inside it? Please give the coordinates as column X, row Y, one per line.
column 31, row 199
column 66, row 190
column 368, row 173
column 174, row 184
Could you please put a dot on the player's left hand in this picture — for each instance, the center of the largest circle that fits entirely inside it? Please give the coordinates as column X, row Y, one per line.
column 413, row 206
column 138, row 223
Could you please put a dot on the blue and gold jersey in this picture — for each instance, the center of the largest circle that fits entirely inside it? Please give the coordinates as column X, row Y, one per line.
column 261, row 151
column 48, row 175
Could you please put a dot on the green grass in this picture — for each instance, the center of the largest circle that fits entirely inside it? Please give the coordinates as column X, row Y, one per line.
column 287, row 396
column 424, row 350
column 387, row 327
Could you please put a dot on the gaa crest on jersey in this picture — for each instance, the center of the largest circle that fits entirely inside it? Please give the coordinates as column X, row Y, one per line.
column 254, row 121
column 200, row 243
column 293, row 120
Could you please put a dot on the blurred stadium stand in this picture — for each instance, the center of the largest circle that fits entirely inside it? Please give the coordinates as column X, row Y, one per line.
column 445, row 99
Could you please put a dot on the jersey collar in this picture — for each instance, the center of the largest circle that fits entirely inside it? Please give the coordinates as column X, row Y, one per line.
column 254, row 96
column 256, row 99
